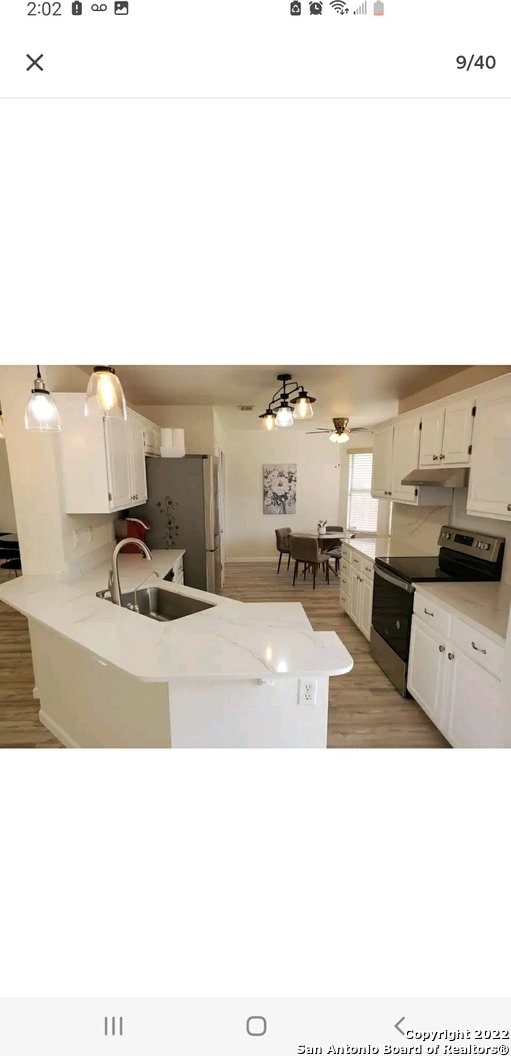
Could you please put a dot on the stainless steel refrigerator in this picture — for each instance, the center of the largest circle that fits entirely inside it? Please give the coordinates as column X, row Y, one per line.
column 182, row 510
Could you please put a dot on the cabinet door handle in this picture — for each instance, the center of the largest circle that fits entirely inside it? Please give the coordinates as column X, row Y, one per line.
column 451, row 656
column 478, row 648
column 428, row 613
column 441, row 457
column 441, row 648
column 435, row 458
column 509, row 506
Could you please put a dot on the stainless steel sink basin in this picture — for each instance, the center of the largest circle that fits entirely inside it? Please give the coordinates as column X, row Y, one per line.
column 157, row 604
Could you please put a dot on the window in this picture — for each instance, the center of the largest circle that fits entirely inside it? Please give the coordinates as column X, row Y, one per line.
column 362, row 508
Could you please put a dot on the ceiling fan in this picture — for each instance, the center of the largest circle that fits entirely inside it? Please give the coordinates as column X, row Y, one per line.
column 340, row 433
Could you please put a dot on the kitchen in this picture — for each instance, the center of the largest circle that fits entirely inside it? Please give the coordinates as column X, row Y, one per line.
column 240, row 670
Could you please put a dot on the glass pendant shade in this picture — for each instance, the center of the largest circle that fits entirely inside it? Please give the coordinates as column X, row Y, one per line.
column 284, row 416
column 105, row 396
column 41, row 414
column 268, row 419
column 303, row 405
column 339, row 438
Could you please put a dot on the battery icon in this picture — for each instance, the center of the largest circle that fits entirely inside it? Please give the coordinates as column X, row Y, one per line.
column 76, row 7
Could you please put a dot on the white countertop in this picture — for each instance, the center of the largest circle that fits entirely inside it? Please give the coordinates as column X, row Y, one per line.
column 381, row 546
column 232, row 641
column 484, row 605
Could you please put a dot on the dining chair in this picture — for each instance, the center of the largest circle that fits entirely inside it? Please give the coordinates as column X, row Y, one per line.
column 335, row 549
column 282, row 537
column 305, row 551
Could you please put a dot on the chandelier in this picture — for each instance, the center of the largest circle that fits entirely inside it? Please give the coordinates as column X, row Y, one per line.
column 281, row 410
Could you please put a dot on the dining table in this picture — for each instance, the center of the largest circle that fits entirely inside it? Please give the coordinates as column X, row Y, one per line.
column 326, row 537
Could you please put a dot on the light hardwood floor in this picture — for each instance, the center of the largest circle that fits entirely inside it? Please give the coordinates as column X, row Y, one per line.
column 365, row 709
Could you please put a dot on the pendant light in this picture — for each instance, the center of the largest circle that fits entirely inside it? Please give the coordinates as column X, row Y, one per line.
column 268, row 419
column 303, row 404
column 41, row 414
column 281, row 410
column 105, row 396
column 284, row 415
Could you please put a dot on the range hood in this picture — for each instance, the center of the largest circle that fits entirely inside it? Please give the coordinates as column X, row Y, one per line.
column 442, row 477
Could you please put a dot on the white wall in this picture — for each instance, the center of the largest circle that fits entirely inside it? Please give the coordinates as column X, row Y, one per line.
column 250, row 534
column 197, row 422
column 46, row 532
column 7, row 514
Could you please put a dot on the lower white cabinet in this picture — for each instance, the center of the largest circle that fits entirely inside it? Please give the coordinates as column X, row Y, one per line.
column 356, row 588
column 476, row 714
column 461, row 696
column 426, row 671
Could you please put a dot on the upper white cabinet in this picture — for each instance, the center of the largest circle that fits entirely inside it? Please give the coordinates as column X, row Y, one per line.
column 405, row 458
column 395, row 454
column 102, row 459
column 489, row 489
column 446, row 435
column 137, row 471
column 382, row 463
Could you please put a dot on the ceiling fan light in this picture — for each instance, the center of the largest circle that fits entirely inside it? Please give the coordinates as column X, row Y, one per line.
column 105, row 395
column 284, row 416
column 343, row 438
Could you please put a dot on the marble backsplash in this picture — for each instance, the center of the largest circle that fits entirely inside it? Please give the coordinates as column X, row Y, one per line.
column 419, row 526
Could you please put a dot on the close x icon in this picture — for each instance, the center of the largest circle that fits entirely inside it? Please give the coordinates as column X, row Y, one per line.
column 35, row 63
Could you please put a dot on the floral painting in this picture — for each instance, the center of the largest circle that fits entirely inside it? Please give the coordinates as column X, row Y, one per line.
column 279, row 489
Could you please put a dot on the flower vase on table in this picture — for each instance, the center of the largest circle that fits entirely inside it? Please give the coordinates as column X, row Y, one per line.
column 321, row 527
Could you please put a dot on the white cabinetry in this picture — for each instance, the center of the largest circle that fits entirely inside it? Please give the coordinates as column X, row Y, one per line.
column 405, row 458
column 455, row 675
column 356, row 588
column 395, row 454
column 446, row 435
column 382, row 463
column 102, row 459
column 118, row 462
column 475, row 704
column 138, row 478
column 489, row 489
column 426, row 672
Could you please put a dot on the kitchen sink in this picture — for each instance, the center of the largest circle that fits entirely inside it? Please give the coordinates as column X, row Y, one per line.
column 157, row 604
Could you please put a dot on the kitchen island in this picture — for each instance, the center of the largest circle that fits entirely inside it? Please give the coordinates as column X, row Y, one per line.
column 234, row 675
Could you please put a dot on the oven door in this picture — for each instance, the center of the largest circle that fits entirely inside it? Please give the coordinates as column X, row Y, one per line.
column 392, row 610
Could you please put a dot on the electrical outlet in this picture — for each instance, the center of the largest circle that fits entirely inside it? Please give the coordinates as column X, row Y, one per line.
column 307, row 691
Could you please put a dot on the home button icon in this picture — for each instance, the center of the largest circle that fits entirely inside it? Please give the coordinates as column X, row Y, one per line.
column 256, row 1026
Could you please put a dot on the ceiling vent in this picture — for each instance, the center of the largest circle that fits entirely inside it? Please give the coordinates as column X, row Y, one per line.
column 246, row 407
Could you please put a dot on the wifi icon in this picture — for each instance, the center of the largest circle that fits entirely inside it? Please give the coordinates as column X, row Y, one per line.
column 339, row 6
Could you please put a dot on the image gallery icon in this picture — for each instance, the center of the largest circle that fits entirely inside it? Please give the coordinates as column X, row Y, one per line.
column 121, row 7
column 295, row 7
column 316, row 7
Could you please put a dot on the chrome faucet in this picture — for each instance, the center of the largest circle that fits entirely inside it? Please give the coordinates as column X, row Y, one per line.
column 134, row 607
column 113, row 579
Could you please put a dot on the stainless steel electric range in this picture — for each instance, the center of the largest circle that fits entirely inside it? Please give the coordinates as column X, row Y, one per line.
column 463, row 556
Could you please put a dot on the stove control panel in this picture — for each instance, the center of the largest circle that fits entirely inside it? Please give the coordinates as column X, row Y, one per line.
column 485, row 547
